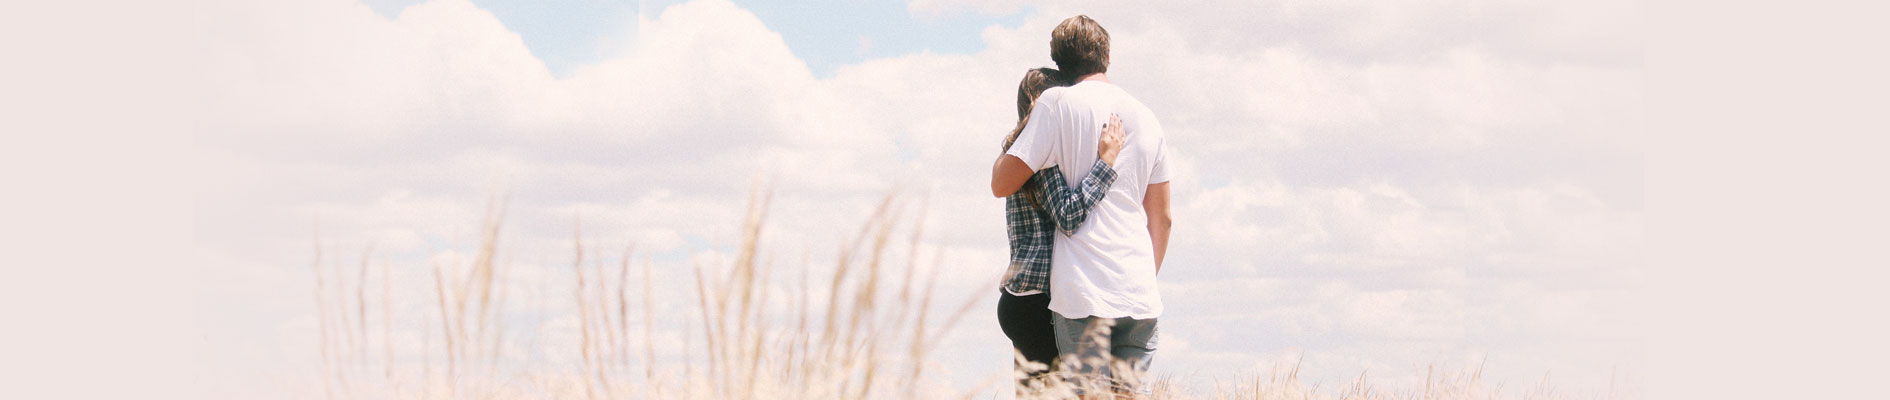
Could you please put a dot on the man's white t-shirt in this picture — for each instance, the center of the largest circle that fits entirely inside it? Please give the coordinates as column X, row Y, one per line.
column 1106, row 269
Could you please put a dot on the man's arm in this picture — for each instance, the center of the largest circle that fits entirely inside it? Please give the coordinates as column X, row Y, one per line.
column 1068, row 208
column 1008, row 175
column 1156, row 203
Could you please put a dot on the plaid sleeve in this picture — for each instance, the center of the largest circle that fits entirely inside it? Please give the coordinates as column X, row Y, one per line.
column 1068, row 208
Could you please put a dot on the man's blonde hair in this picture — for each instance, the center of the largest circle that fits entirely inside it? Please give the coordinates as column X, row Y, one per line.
column 1080, row 46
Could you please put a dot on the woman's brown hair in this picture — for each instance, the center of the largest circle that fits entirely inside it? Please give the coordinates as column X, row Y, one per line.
column 1036, row 81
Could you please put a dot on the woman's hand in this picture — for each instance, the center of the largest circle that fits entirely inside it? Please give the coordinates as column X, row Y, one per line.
column 1112, row 138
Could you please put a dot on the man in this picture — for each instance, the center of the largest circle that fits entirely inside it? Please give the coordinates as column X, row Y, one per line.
column 1102, row 280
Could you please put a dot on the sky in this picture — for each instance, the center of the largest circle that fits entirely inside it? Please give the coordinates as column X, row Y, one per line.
column 824, row 34
column 1359, row 187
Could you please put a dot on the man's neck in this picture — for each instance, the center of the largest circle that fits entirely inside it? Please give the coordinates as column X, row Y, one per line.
column 1099, row 77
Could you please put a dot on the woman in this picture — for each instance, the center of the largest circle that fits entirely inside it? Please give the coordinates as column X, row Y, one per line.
column 1044, row 205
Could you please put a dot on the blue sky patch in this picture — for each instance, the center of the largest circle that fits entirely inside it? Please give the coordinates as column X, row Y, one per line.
column 826, row 34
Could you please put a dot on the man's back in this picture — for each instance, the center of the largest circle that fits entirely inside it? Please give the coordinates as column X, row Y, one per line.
column 1106, row 269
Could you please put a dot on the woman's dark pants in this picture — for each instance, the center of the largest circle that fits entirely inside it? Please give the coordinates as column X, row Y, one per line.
column 1026, row 321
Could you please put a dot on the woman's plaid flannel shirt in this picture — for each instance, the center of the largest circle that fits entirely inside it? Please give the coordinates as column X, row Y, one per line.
column 1064, row 209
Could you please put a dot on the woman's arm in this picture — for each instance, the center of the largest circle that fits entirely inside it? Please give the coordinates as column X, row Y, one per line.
column 1008, row 175
column 1021, row 158
column 1069, row 208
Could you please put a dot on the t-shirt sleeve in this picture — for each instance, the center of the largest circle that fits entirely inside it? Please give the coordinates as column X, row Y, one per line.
column 1038, row 140
column 1159, row 168
column 1158, row 172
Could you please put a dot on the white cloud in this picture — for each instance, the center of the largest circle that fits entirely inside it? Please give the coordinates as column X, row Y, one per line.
column 934, row 9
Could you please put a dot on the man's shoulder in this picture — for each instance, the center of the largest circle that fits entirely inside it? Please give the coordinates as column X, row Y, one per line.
column 1085, row 96
column 1133, row 111
column 1053, row 94
column 1090, row 90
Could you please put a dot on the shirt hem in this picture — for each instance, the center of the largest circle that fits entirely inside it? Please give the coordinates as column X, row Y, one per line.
column 1014, row 292
column 1151, row 315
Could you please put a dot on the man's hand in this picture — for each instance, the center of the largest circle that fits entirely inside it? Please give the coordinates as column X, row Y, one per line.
column 1112, row 139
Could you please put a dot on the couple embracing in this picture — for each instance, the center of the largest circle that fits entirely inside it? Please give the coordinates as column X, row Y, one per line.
column 1086, row 201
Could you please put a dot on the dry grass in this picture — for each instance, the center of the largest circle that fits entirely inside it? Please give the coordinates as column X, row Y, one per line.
column 874, row 340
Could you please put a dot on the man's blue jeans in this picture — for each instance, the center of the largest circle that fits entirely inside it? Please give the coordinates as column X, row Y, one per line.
column 1101, row 354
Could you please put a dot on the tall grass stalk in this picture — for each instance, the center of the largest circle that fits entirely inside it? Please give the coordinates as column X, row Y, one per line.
column 872, row 339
